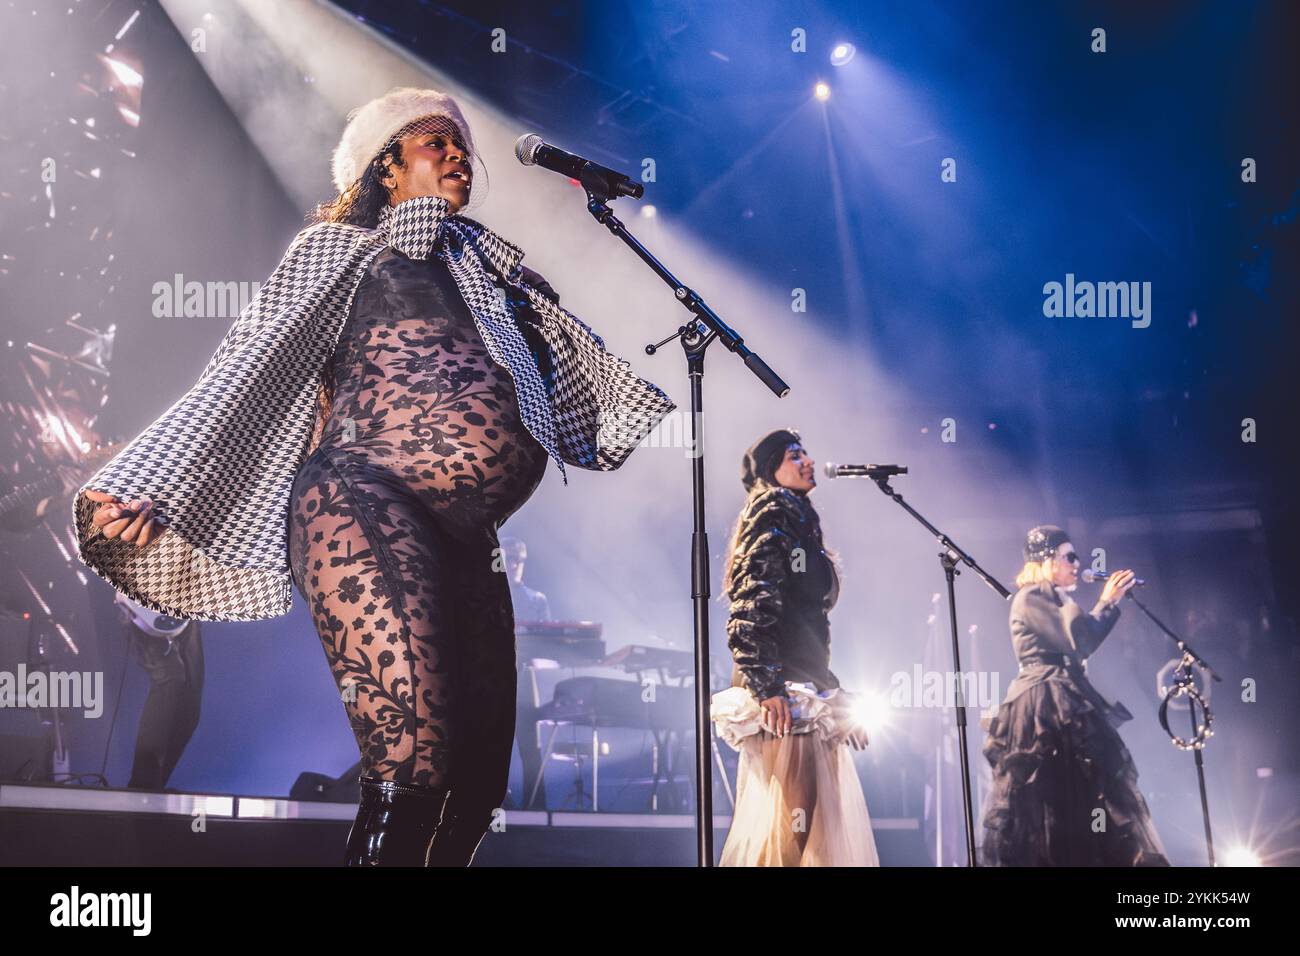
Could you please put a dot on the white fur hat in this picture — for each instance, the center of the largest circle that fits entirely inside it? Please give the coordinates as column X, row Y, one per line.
column 370, row 127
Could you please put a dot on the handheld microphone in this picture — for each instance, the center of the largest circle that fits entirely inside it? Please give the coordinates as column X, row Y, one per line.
column 1089, row 576
column 532, row 150
column 863, row 471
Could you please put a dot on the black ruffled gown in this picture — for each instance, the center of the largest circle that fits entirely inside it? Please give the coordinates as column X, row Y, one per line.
column 1065, row 788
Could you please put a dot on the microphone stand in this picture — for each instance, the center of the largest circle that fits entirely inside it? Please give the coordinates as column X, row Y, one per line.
column 696, row 335
column 949, row 558
column 1185, row 686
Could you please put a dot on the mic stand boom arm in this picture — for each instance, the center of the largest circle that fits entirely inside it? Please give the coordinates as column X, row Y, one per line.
column 598, row 194
column 950, row 546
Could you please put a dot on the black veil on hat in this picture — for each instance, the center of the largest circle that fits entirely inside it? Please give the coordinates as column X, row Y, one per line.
column 1041, row 542
column 764, row 456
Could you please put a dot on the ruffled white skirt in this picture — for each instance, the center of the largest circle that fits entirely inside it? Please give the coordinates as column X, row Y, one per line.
column 798, row 799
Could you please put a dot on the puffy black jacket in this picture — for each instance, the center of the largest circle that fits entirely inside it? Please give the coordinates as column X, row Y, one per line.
column 782, row 585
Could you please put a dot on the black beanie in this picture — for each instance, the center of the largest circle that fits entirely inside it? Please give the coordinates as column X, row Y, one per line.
column 764, row 456
column 1041, row 542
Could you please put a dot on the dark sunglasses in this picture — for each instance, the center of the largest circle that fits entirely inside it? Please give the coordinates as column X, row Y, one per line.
column 1071, row 557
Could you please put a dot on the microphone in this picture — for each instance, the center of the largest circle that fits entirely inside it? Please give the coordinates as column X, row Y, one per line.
column 863, row 471
column 533, row 151
column 1089, row 576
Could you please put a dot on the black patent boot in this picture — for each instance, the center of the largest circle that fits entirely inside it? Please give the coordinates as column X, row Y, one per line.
column 457, row 837
column 394, row 824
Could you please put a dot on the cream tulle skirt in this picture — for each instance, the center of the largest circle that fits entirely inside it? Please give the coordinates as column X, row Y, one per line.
column 798, row 799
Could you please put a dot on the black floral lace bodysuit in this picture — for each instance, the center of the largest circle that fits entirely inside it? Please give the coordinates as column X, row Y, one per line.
column 393, row 538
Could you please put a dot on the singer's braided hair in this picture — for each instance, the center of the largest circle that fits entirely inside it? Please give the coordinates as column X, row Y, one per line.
column 361, row 202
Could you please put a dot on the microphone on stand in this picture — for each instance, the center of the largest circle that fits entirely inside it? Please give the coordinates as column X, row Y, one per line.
column 1089, row 576
column 532, row 150
column 863, row 471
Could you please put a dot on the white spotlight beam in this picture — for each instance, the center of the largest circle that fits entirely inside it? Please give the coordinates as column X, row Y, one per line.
column 290, row 71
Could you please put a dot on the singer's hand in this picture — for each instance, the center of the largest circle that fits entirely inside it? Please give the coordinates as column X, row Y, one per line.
column 134, row 522
column 776, row 715
column 1117, row 585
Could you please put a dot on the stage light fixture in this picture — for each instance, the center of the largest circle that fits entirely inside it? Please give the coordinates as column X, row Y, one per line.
column 842, row 53
column 822, row 91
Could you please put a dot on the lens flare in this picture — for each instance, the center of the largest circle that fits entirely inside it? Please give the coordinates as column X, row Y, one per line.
column 1241, row 855
column 872, row 712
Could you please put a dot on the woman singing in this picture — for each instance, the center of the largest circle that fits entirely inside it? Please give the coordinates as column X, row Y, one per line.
column 1064, row 786
column 387, row 401
column 798, row 799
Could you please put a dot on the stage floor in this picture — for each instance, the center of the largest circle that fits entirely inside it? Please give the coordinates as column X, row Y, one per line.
column 51, row 825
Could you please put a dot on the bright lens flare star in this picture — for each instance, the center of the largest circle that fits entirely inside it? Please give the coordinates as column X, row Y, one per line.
column 1241, row 856
column 822, row 91
column 872, row 712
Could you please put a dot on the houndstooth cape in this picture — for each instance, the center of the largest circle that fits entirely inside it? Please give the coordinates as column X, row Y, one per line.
column 221, row 462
